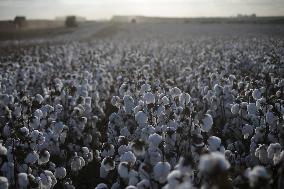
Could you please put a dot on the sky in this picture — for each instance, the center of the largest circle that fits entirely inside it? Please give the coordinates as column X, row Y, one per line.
column 105, row 9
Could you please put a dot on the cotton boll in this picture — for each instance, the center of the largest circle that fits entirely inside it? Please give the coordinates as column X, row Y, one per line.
column 155, row 139
column 131, row 187
column 60, row 172
column 143, row 184
column 145, row 88
column 38, row 113
column 23, row 180
column 214, row 143
column 3, row 150
column 58, row 127
column 32, row 157
column 256, row 94
column 218, row 90
column 141, row 118
column 261, row 154
column 210, row 163
column 101, row 186
column 108, row 164
column 108, row 150
column 103, row 172
column 252, row 109
column 184, row 99
column 138, row 147
column 149, row 98
column 165, row 100
column 133, row 177
column 175, row 92
column 174, row 178
column 161, row 171
column 274, row 152
column 257, row 175
column 123, row 170
column 77, row 163
column 247, row 130
column 128, row 157
column 44, row 157
column 128, row 104
column 270, row 118
column 39, row 98
column 154, row 157
column 235, row 109
column 4, row 184
column 207, row 123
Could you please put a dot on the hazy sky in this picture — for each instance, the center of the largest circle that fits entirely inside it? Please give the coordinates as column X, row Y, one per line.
column 98, row 9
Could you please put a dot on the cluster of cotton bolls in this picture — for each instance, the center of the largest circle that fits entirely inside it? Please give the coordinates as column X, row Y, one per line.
column 142, row 113
column 49, row 125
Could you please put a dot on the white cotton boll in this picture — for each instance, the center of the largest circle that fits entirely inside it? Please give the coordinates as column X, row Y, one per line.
column 155, row 139
column 145, row 88
column 103, row 172
column 23, row 180
column 186, row 185
column 209, row 163
column 133, row 177
column 149, row 98
column 60, row 172
column 76, row 164
column 235, row 109
column 247, row 130
column 3, row 150
column 38, row 113
column 128, row 104
column 257, row 174
column 218, row 90
column 155, row 157
column 274, row 152
column 46, row 181
column 44, row 157
column 165, row 100
column 214, row 143
column 252, row 109
column 101, row 186
column 25, row 131
column 131, row 187
column 175, row 92
column 270, row 118
column 115, row 185
column 184, row 99
column 174, row 178
column 122, row 149
column 256, row 94
column 108, row 150
column 58, row 127
column 207, row 123
column 32, row 157
column 161, row 171
column 4, row 184
column 124, row 132
column 58, row 108
column 85, row 150
column 35, row 122
column 108, row 164
column 143, row 184
column 141, row 118
column 39, row 98
column 261, row 154
column 128, row 157
column 123, row 170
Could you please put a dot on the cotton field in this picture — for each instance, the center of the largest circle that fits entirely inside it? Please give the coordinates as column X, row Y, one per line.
column 150, row 106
